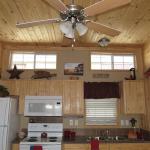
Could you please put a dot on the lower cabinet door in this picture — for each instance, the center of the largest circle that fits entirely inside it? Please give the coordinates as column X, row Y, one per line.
column 130, row 146
column 15, row 146
column 84, row 147
column 76, row 147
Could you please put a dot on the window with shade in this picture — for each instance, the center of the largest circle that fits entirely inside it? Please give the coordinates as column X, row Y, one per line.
column 27, row 60
column 101, row 111
column 100, row 61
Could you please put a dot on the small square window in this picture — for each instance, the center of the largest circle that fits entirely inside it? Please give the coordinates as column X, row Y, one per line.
column 22, row 60
column 112, row 62
column 101, row 62
column 33, row 61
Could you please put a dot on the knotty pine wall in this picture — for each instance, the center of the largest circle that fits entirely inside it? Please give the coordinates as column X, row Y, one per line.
column 79, row 55
column 146, row 58
column 0, row 58
column 67, row 54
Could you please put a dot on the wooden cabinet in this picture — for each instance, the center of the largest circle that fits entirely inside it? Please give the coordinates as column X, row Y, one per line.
column 32, row 87
column 71, row 90
column 103, row 147
column 73, row 101
column 133, row 97
column 37, row 88
column 108, row 146
column 83, row 147
column 75, row 146
column 15, row 146
column 130, row 146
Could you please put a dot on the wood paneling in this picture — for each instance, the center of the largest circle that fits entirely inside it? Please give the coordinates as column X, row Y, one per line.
column 83, row 147
column 75, row 146
column 62, row 51
column 73, row 101
column 15, row 146
column 130, row 146
column 134, row 97
column 0, row 58
column 146, row 120
column 71, row 90
column 132, row 20
column 146, row 56
column 32, row 87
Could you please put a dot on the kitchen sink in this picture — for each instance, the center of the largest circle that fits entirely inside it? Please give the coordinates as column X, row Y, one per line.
column 109, row 139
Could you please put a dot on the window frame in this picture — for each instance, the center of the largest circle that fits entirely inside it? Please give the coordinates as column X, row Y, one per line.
column 34, row 61
column 112, row 60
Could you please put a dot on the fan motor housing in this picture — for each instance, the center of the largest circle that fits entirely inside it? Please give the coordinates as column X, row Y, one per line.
column 75, row 11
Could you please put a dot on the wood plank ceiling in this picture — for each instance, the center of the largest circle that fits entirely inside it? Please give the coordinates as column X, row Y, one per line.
column 133, row 21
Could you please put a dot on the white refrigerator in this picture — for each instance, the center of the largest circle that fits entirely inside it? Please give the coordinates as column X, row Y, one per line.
column 9, row 122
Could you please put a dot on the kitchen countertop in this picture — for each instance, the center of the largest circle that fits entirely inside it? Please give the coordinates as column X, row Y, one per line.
column 83, row 139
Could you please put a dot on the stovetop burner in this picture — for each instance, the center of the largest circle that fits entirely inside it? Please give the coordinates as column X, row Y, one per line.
column 32, row 137
column 52, row 138
column 32, row 140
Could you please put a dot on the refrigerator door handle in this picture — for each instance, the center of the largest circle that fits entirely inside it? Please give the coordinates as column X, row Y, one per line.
column 4, row 126
column 2, row 139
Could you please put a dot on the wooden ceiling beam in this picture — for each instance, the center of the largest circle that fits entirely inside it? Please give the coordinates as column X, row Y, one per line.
column 80, row 46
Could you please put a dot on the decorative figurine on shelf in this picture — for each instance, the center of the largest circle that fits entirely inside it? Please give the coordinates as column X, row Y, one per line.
column 42, row 74
column 15, row 73
column 133, row 122
column 132, row 75
column 132, row 134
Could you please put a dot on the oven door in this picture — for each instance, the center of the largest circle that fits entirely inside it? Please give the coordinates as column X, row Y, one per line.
column 44, row 146
column 43, row 106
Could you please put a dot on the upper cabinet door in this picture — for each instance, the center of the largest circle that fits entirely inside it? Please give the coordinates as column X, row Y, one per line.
column 73, row 101
column 134, row 97
column 35, row 88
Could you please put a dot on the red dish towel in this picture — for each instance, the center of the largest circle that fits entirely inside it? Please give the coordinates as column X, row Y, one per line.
column 95, row 144
column 37, row 148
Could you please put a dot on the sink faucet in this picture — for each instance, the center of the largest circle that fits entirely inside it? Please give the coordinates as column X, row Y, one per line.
column 107, row 133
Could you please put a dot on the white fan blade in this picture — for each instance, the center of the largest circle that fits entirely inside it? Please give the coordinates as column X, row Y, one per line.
column 36, row 23
column 103, row 6
column 57, row 4
column 102, row 28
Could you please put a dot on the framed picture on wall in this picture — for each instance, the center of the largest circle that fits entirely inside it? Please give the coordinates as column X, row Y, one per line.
column 73, row 69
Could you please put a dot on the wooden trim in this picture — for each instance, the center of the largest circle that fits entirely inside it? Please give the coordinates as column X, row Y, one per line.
column 80, row 46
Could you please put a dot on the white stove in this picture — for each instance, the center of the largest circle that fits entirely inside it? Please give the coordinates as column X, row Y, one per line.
column 52, row 141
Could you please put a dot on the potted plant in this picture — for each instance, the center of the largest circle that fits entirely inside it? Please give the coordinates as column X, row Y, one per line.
column 3, row 91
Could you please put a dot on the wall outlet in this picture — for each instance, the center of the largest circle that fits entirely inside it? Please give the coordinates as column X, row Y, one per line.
column 122, row 122
column 127, row 122
column 71, row 122
column 76, row 123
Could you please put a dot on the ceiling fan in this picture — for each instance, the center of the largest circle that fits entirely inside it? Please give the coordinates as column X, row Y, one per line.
column 74, row 18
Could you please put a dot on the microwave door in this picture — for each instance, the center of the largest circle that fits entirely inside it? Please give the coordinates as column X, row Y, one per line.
column 43, row 108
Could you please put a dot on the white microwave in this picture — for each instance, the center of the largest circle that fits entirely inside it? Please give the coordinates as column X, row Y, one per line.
column 43, row 106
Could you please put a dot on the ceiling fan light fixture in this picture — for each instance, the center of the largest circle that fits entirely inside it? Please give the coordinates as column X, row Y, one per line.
column 66, row 27
column 70, row 36
column 81, row 28
column 103, row 42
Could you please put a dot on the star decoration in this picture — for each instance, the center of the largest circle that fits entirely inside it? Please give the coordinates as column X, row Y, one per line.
column 14, row 73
